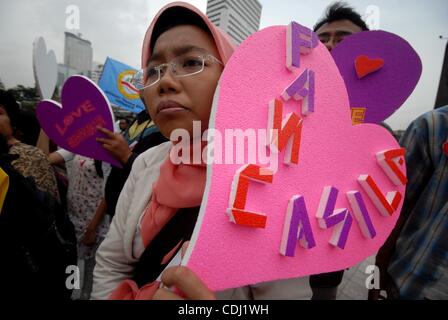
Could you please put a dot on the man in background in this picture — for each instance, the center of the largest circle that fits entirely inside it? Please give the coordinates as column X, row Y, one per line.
column 339, row 22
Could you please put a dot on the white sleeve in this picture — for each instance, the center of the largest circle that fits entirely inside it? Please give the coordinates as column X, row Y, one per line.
column 107, row 168
column 112, row 264
column 67, row 155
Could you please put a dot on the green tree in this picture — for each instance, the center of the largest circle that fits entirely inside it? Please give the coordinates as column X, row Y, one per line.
column 24, row 94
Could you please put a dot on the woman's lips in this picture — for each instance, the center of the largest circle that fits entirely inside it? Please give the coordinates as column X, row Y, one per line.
column 166, row 107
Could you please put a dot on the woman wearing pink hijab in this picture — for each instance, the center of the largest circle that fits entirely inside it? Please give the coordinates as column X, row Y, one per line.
column 183, row 57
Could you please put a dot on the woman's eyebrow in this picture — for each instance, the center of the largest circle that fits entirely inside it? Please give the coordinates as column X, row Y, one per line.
column 178, row 52
column 186, row 49
column 154, row 57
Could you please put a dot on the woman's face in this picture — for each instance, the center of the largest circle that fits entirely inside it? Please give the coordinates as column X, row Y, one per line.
column 5, row 123
column 174, row 103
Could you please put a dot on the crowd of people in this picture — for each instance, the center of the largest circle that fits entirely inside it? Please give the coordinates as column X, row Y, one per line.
column 123, row 226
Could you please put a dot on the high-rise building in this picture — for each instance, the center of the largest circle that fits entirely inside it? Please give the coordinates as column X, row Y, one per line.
column 78, row 58
column 97, row 70
column 65, row 72
column 78, row 53
column 236, row 17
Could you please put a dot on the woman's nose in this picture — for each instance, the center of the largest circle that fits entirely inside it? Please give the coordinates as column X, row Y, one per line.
column 168, row 82
column 167, row 69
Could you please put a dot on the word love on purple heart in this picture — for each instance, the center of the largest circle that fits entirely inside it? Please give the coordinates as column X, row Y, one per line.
column 73, row 126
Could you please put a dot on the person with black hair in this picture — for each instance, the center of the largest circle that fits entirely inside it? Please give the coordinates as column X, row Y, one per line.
column 142, row 127
column 37, row 240
column 31, row 162
column 29, row 127
column 138, row 246
column 339, row 21
column 413, row 260
column 85, row 207
column 123, row 124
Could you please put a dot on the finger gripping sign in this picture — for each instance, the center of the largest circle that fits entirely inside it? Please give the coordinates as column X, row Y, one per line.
column 73, row 125
column 338, row 189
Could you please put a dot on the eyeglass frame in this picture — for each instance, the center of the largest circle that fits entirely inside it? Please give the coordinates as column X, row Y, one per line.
column 171, row 65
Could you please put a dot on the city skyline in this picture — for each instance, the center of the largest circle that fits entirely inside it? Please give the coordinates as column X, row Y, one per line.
column 78, row 57
column 239, row 19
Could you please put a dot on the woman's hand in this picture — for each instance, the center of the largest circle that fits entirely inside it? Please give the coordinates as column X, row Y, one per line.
column 116, row 144
column 185, row 281
column 89, row 238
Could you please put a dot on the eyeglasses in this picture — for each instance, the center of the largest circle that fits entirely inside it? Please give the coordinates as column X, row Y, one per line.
column 182, row 66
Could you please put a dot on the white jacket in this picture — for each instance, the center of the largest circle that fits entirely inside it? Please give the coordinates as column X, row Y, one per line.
column 116, row 257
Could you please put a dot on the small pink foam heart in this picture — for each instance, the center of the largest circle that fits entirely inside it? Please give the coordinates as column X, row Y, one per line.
column 73, row 126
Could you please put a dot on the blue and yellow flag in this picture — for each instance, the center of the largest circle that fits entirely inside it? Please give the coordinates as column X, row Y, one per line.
column 115, row 82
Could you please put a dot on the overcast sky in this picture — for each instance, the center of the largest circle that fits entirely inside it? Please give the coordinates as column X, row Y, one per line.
column 116, row 29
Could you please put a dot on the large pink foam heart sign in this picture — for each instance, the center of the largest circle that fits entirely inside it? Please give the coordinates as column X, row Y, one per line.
column 73, row 125
column 337, row 191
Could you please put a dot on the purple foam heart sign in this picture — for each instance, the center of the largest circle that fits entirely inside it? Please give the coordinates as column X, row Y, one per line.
column 382, row 88
column 73, row 125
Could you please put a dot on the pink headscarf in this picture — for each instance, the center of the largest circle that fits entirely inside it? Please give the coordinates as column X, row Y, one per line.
column 223, row 42
column 170, row 191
